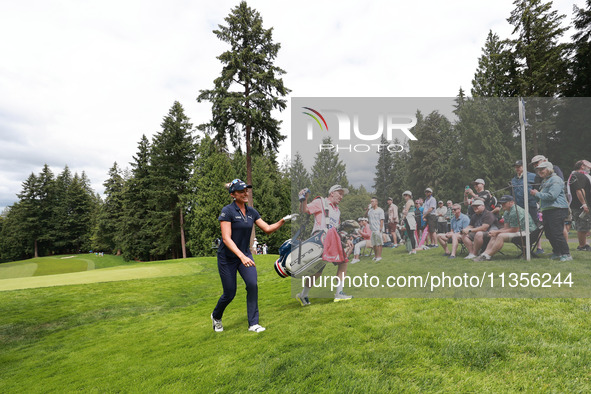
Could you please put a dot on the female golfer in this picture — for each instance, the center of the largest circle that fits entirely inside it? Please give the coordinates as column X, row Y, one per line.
column 236, row 221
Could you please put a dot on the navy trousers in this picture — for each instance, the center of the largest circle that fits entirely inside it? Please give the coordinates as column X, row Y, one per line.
column 553, row 220
column 227, row 271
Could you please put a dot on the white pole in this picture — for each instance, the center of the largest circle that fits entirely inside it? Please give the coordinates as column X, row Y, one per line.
column 521, row 105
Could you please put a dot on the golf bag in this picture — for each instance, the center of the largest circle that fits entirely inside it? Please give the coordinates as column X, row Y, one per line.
column 301, row 258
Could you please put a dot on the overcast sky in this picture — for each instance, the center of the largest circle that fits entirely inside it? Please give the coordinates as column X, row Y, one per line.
column 81, row 81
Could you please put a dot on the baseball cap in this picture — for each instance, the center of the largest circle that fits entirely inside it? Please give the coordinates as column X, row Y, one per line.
column 506, row 198
column 537, row 158
column 518, row 163
column 334, row 188
column 545, row 164
column 440, row 202
column 429, row 190
column 477, row 202
column 390, row 199
column 407, row 193
column 479, row 180
column 237, row 185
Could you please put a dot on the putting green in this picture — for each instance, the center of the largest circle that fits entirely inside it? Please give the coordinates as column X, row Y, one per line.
column 95, row 276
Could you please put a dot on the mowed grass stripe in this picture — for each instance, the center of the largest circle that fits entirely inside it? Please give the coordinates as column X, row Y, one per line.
column 102, row 275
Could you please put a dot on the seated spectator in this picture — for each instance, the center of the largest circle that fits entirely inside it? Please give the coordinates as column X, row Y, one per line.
column 459, row 221
column 364, row 241
column 514, row 226
column 475, row 235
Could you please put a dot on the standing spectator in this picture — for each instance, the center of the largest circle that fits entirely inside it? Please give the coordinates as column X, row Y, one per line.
column 554, row 209
column 449, row 214
column 234, row 254
column 410, row 223
column 480, row 194
column 441, row 213
column 264, row 248
column 430, row 216
column 517, row 187
column 393, row 220
column 376, row 218
column 459, row 221
column 365, row 233
column 579, row 186
column 535, row 162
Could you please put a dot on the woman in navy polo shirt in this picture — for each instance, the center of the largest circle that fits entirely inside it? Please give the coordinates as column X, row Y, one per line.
column 236, row 221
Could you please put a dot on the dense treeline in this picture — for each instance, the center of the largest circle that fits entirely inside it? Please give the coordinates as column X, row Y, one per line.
column 166, row 205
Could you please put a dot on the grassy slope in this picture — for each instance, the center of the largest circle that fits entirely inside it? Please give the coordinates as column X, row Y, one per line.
column 155, row 334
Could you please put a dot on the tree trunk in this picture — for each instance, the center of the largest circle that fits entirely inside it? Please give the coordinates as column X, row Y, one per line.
column 183, row 244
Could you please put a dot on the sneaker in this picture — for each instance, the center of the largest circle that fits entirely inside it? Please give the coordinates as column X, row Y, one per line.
column 395, row 245
column 355, row 261
column 539, row 251
column 340, row 296
column 555, row 256
column 566, row 257
column 470, row 256
column 586, row 248
column 217, row 324
column 451, row 256
column 378, row 259
column 412, row 252
column 433, row 246
column 482, row 257
column 373, row 259
column 303, row 300
column 446, row 254
column 256, row 328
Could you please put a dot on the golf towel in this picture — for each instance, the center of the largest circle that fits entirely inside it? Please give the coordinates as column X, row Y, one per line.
column 333, row 250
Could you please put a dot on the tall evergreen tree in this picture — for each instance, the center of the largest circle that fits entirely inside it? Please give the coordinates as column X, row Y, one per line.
column 107, row 235
column 249, row 88
column 497, row 69
column 212, row 170
column 580, row 65
column 171, row 157
column 384, row 178
column 136, row 239
column 328, row 170
column 300, row 179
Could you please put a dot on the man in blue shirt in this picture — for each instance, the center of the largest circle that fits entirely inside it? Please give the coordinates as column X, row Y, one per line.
column 459, row 221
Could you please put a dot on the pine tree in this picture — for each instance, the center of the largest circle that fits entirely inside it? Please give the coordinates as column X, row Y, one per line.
column 171, row 157
column 249, row 87
column 136, row 239
column 384, row 180
column 300, row 179
column 580, row 65
column 328, row 170
column 213, row 169
column 496, row 73
column 107, row 235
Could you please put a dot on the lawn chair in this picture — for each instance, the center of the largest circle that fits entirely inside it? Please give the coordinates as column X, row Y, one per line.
column 534, row 238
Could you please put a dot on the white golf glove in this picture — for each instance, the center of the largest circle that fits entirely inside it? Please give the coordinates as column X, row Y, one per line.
column 291, row 217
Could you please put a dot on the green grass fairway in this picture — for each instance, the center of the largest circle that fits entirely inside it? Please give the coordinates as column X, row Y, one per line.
column 154, row 334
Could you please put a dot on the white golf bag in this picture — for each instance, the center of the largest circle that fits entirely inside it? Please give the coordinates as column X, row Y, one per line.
column 301, row 258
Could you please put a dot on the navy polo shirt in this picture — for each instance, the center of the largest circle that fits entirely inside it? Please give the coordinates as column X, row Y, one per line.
column 241, row 229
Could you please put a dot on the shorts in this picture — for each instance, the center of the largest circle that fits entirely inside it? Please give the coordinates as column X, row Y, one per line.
column 584, row 224
column 392, row 226
column 472, row 234
column 376, row 238
column 432, row 222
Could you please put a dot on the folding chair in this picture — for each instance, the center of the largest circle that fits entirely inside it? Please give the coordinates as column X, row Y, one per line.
column 534, row 238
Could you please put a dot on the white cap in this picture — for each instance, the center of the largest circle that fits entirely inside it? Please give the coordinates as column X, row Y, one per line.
column 545, row 164
column 408, row 192
column 334, row 188
column 537, row 158
column 479, row 180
